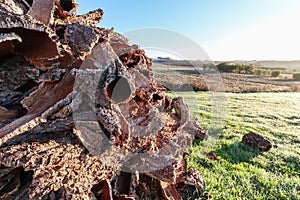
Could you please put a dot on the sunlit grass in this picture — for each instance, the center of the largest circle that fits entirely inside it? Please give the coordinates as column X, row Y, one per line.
column 242, row 172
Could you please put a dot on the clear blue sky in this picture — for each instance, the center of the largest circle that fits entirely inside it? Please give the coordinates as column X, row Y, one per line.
column 225, row 29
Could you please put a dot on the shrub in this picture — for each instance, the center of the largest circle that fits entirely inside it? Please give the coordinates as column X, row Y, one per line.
column 275, row 73
column 249, row 69
column 296, row 76
column 258, row 72
column 226, row 67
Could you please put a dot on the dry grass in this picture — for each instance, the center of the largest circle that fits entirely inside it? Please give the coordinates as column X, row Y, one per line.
column 189, row 79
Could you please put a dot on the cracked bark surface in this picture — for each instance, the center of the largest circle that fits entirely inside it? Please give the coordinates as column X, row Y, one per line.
column 81, row 116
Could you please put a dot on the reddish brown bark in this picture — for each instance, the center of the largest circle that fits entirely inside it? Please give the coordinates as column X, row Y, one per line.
column 81, row 116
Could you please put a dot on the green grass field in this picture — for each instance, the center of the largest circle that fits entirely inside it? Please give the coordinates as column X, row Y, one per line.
column 242, row 172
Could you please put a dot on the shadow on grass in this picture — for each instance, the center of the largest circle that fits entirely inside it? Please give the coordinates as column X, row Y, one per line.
column 237, row 152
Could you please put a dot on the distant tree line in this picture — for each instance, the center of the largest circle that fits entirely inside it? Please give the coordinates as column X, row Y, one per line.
column 240, row 68
column 224, row 67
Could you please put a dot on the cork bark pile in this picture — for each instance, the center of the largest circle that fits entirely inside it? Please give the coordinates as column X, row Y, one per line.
column 81, row 116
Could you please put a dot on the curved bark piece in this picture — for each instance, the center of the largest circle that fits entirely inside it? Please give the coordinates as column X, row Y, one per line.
column 37, row 45
column 170, row 192
column 37, row 108
column 91, row 19
column 134, row 57
column 48, row 95
column 103, row 191
column 18, row 127
column 10, row 181
column 124, row 185
column 65, row 8
column 184, row 187
column 8, row 42
column 42, row 10
column 13, row 6
column 81, row 39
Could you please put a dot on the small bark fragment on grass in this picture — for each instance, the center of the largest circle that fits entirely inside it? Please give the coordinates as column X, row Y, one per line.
column 257, row 141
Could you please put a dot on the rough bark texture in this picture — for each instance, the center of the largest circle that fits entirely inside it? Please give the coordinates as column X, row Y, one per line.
column 257, row 141
column 81, row 116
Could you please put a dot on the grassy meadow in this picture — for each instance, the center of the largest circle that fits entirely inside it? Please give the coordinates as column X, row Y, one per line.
column 242, row 172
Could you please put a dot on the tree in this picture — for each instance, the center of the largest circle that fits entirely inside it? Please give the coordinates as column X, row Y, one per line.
column 258, row 72
column 275, row 73
column 226, row 67
column 296, row 76
column 249, row 69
